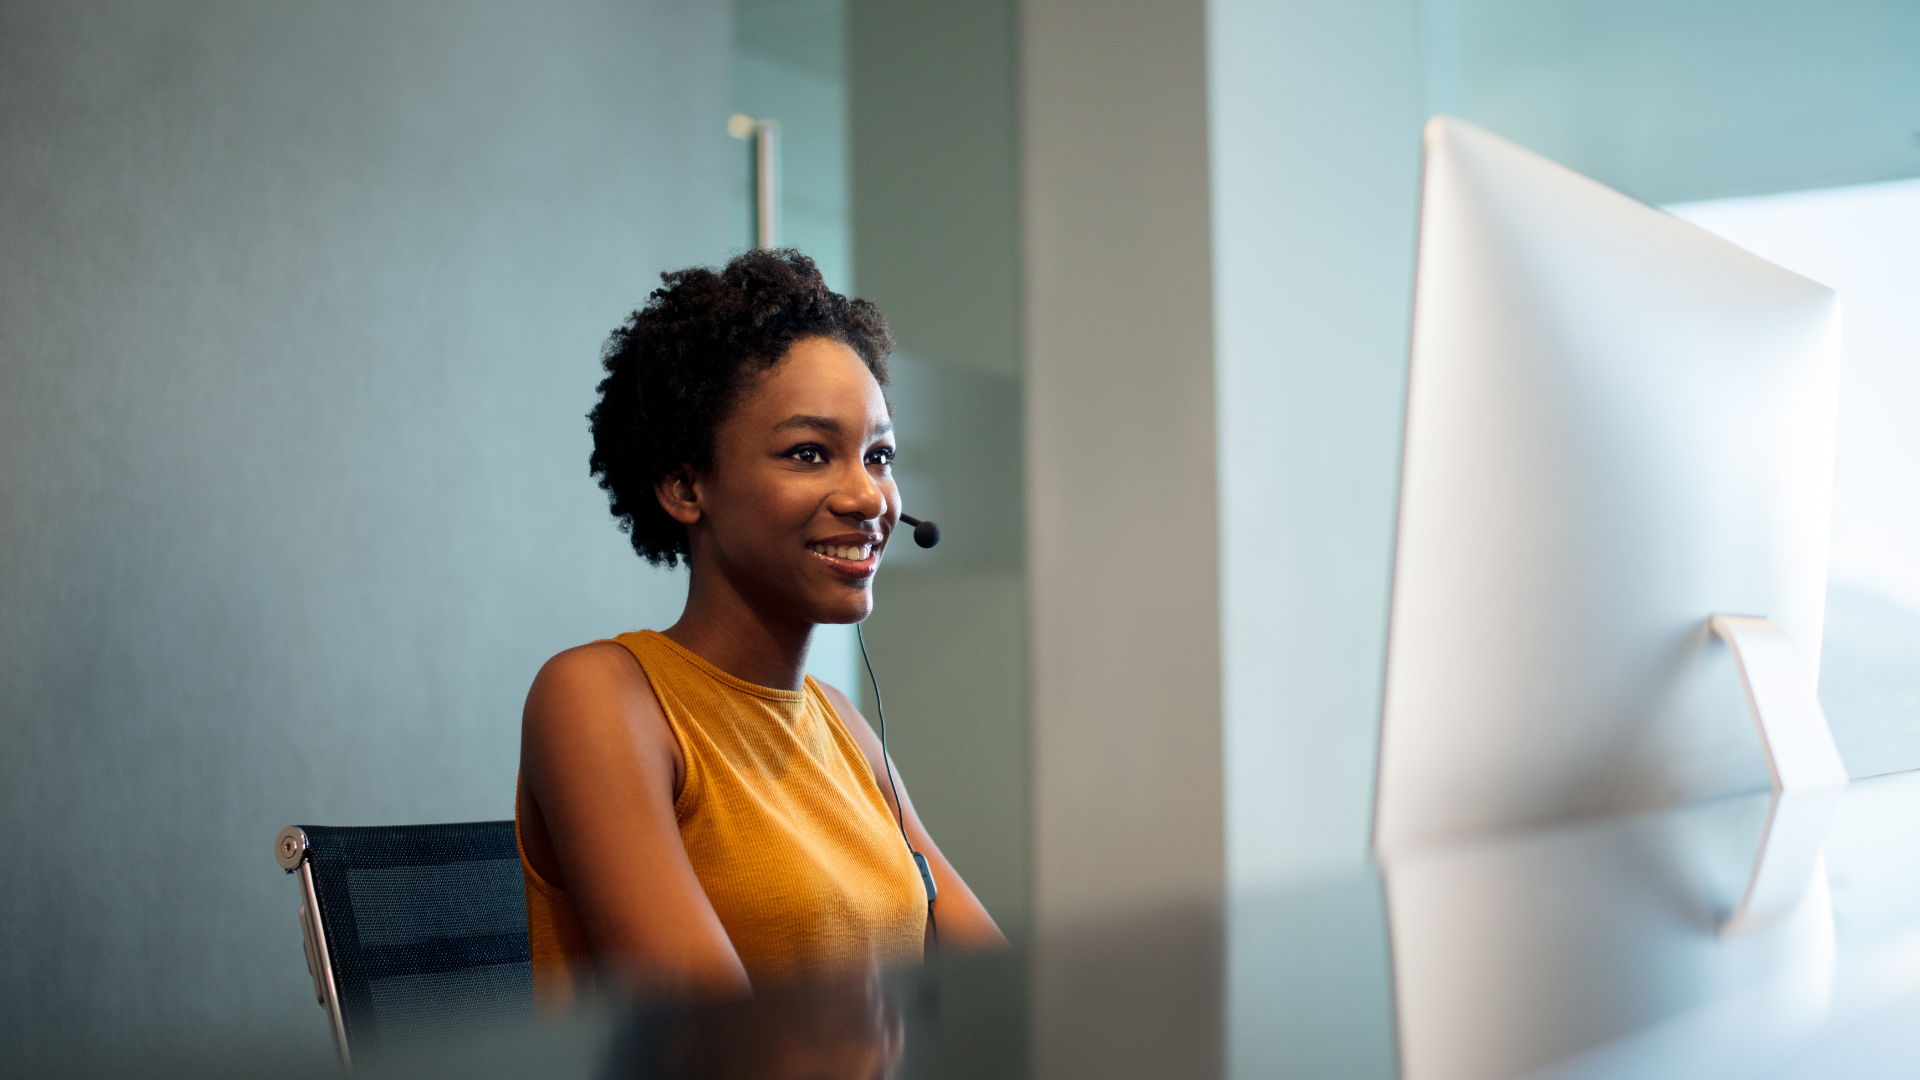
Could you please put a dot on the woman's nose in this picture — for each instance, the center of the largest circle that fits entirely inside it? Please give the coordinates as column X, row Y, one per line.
column 860, row 496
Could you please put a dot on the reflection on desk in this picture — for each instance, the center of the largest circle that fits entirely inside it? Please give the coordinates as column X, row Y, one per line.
column 1742, row 937
column 1517, row 953
column 1734, row 938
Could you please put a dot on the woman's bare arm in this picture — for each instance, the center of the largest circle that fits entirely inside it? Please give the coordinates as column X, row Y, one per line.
column 603, row 770
column 964, row 923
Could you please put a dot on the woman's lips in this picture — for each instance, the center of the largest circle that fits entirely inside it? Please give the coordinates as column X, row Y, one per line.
column 854, row 552
column 856, row 559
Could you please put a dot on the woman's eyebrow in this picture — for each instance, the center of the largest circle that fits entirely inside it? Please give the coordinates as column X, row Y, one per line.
column 818, row 423
column 825, row 423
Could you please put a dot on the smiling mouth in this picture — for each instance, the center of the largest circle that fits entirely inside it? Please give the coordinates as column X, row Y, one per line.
column 847, row 552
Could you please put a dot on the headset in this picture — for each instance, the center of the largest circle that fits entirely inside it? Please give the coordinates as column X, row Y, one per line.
column 926, row 534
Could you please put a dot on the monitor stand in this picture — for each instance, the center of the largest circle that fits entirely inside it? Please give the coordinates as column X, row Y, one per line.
column 1780, row 694
column 1806, row 768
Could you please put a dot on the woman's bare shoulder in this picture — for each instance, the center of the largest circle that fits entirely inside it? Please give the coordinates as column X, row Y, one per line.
column 594, row 687
column 600, row 669
column 599, row 768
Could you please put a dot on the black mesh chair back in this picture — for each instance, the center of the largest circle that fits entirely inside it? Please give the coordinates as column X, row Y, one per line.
column 421, row 930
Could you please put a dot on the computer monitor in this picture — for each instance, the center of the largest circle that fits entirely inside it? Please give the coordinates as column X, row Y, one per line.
column 1618, row 426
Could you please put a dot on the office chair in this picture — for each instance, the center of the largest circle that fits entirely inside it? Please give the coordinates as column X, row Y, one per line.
column 411, row 931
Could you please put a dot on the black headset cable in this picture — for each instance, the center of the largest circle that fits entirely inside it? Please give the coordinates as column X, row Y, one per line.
column 899, row 808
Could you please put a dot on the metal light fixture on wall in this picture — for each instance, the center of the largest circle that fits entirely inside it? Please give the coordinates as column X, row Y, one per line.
column 766, row 174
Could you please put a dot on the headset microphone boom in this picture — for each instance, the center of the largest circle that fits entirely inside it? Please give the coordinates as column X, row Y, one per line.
column 925, row 533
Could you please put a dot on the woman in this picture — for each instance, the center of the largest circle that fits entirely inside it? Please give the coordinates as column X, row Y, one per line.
column 696, row 815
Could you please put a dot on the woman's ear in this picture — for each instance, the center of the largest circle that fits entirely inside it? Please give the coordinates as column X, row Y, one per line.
column 679, row 496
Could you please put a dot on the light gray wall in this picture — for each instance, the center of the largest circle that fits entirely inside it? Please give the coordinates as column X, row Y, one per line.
column 300, row 307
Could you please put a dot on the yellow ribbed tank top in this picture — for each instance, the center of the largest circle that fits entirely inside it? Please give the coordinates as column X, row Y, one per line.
column 784, row 825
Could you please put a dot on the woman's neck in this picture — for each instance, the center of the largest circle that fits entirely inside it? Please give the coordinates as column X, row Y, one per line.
column 722, row 628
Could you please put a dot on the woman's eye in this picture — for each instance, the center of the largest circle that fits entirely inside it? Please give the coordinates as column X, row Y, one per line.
column 807, row 455
column 880, row 456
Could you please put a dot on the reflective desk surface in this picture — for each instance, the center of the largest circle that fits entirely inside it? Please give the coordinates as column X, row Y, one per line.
column 1747, row 937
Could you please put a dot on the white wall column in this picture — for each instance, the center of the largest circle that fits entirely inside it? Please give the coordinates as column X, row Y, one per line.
column 1122, row 539
column 1120, row 457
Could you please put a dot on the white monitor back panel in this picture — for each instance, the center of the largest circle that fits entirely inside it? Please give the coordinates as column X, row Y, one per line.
column 1618, row 425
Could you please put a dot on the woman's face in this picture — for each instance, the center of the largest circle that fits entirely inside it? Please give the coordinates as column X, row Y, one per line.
column 800, row 500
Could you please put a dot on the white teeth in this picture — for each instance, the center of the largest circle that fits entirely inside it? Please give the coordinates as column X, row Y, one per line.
column 857, row 553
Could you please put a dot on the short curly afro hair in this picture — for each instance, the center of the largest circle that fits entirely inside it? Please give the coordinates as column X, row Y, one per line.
column 678, row 365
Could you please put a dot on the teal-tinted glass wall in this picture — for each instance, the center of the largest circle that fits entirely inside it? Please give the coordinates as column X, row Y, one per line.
column 899, row 176
column 1677, row 100
column 789, row 65
column 935, row 211
column 789, row 68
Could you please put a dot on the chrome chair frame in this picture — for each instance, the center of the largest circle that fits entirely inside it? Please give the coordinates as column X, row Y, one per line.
column 290, row 849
